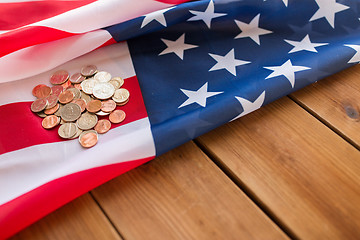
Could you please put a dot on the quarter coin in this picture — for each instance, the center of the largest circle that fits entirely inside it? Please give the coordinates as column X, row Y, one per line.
column 88, row 85
column 67, row 130
column 103, row 90
column 102, row 77
column 70, row 112
column 87, row 121
column 121, row 95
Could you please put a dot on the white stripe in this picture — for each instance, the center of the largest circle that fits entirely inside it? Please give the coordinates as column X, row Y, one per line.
column 100, row 14
column 28, row 168
column 38, row 59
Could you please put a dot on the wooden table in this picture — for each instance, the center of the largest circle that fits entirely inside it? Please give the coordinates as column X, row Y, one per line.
column 288, row 170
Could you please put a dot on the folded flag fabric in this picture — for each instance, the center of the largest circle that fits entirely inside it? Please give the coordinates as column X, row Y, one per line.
column 189, row 67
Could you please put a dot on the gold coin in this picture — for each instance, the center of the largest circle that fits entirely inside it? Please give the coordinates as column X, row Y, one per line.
column 87, row 121
column 70, row 112
column 85, row 97
column 88, row 139
column 67, row 130
column 117, row 82
column 121, row 95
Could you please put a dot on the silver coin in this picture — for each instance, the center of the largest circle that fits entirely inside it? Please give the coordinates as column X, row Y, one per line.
column 102, row 76
column 103, row 91
column 88, row 85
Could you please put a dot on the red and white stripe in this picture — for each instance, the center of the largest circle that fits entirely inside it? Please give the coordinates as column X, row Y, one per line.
column 40, row 172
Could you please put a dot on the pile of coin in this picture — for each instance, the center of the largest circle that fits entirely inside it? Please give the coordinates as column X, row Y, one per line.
column 75, row 102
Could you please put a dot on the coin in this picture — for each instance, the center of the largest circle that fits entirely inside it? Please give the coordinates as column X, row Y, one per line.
column 57, row 113
column 67, row 130
column 88, row 85
column 78, row 86
column 88, row 70
column 66, row 97
column 94, row 106
column 76, row 92
column 108, row 106
column 77, row 78
column 103, row 90
column 66, row 85
column 101, row 113
column 85, row 97
column 38, row 105
column 56, row 90
column 41, row 91
column 123, row 103
column 70, row 112
column 52, row 101
column 41, row 114
column 52, row 110
column 102, row 77
column 88, row 139
column 121, row 95
column 59, row 77
column 81, row 103
column 102, row 126
column 50, row 121
column 87, row 121
column 77, row 134
column 117, row 82
column 117, row 116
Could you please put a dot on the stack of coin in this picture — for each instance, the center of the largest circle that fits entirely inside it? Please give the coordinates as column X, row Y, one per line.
column 75, row 102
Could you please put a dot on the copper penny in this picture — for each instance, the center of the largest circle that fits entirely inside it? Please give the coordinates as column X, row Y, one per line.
column 81, row 103
column 38, row 105
column 52, row 110
column 108, row 106
column 59, row 77
column 117, row 116
column 94, row 106
column 88, row 139
column 77, row 78
column 102, row 126
column 78, row 86
column 50, row 121
column 41, row 91
column 56, row 90
column 66, row 97
column 66, row 85
column 88, row 70
column 52, row 101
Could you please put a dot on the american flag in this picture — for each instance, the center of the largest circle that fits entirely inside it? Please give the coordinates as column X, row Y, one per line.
column 189, row 67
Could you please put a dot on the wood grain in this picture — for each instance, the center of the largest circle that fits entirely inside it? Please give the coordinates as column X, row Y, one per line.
column 80, row 219
column 294, row 166
column 336, row 100
column 182, row 195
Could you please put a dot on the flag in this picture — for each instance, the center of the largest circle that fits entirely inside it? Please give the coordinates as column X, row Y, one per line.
column 189, row 68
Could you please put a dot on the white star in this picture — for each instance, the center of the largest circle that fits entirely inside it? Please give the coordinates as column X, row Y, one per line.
column 248, row 106
column 178, row 46
column 251, row 30
column 328, row 9
column 287, row 70
column 206, row 16
column 356, row 57
column 304, row 44
column 227, row 62
column 157, row 15
column 198, row 96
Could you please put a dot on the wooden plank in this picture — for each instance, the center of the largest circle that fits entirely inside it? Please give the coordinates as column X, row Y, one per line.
column 182, row 195
column 80, row 219
column 336, row 100
column 303, row 173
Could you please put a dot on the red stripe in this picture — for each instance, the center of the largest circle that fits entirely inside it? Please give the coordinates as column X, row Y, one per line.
column 173, row 1
column 29, row 36
column 30, row 207
column 14, row 15
column 20, row 128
